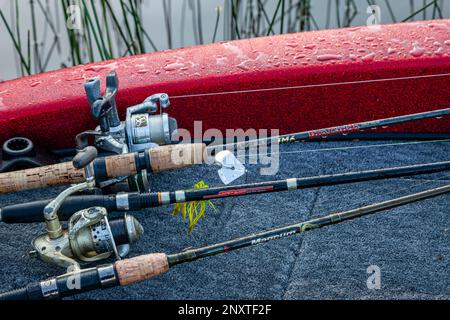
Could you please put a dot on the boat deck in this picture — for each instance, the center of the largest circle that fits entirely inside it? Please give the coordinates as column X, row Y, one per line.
column 410, row 244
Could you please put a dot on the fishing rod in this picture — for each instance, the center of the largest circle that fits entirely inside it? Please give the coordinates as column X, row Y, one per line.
column 156, row 159
column 338, row 130
column 32, row 211
column 133, row 270
column 160, row 158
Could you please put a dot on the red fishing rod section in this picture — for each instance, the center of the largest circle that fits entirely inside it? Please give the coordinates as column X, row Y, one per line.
column 291, row 82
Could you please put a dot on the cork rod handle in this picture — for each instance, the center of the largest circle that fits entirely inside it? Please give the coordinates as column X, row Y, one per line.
column 141, row 268
column 176, row 156
column 161, row 159
column 52, row 175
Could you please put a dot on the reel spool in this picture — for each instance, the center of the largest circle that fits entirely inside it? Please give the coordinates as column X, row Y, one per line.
column 147, row 129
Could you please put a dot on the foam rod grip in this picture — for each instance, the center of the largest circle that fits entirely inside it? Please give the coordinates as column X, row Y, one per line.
column 176, row 156
column 141, row 268
column 40, row 177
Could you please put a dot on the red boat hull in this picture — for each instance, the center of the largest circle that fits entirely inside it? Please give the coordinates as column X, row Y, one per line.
column 309, row 80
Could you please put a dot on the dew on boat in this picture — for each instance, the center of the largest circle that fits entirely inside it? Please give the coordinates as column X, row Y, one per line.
column 368, row 57
column 439, row 51
column 235, row 50
column 353, row 29
column 220, row 60
column 243, row 65
column 97, row 68
column 292, row 44
column 384, row 127
column 309, row 46
column 438, row 26
column 142, row 71
column 299, row 56
column 399, row 41
column 417, row 51
column 391, row 50
column 157, row 72
column 370, row 39
column 447, row 42
column 35, row 84
column 329, row 57
column 438, row 118
column 174, row 66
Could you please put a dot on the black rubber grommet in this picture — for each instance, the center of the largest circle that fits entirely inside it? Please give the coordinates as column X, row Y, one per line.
column 18, row 147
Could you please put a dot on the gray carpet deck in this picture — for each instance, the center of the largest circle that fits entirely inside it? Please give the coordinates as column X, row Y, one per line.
column 410, row 244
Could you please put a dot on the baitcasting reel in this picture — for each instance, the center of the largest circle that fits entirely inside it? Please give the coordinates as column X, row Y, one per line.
column 90, row 236
column 143, row 128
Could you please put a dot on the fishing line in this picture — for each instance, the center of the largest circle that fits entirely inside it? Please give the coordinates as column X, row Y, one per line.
column 350, row 148
column 331, row 84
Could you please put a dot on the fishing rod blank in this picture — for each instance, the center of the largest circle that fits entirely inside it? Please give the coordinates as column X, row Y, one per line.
column 33, row 211
column 334, row 131
column 133, row 270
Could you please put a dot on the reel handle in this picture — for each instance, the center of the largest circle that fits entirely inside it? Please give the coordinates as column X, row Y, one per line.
column 104, row 107
column 84, row 157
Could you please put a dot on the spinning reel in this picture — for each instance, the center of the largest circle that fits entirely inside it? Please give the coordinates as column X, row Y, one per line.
column 90, row 236
column 143, row 128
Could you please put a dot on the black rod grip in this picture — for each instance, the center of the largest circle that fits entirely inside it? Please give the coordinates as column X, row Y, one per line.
column 15, row 295
column 33, row 211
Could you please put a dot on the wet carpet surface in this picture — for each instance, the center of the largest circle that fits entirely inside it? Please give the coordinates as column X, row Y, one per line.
column 410, row 245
